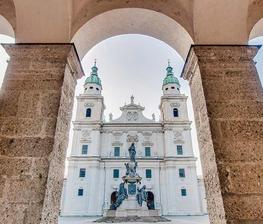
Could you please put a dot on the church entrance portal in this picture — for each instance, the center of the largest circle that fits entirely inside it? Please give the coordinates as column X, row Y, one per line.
column 150, row 200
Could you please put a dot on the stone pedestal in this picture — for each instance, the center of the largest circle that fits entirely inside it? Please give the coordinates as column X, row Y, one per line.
column 228, row 105
column 130, row 207
column 35, row 111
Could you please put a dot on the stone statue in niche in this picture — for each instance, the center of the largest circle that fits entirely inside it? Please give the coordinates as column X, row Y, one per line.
column 121, row 196
column 141, row 195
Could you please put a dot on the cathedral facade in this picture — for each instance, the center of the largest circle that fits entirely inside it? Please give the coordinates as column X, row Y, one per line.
column 166, row 161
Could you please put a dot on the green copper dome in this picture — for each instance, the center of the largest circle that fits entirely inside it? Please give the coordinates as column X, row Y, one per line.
column 93, row 78
column 170, row 78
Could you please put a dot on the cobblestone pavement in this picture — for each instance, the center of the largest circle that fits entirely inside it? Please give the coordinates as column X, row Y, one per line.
column 174, row 220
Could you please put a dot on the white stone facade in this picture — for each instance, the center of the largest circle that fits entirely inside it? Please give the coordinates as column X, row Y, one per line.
column 164, row 147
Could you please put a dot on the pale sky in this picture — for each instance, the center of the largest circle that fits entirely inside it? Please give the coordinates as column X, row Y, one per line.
column 134, row 65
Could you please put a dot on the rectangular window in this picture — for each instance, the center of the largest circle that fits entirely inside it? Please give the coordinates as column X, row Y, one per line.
column 116, row 173
column 148, row 173
column 82, row 172
column 181, row 173
column 179, row 149
column 117, row 151
column 80, row 192
column 183, row 192
column 84, row 149
column 147, row 151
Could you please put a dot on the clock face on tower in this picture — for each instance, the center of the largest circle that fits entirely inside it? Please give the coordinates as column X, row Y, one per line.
column 132, row 116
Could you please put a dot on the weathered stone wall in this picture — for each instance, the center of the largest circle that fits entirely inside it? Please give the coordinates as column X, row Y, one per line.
column 228, row 104
column 35, row 111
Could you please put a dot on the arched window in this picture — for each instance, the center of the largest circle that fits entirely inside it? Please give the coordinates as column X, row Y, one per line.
column 88, row 112
column 175, row 112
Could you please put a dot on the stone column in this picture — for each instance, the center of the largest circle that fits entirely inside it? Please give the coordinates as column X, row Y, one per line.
column 228, row 104
column 36, row 104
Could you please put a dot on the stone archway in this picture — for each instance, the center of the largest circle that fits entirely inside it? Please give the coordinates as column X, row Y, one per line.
column 5, row 27
column 36, row 103
column 132, row 21
column 150, row 200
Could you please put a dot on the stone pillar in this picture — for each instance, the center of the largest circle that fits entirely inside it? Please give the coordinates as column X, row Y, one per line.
column 228, row 104
column 36, row 104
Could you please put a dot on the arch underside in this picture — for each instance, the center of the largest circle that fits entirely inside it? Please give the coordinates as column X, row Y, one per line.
column 132, row 21
column 254, row 18
column 7, row 18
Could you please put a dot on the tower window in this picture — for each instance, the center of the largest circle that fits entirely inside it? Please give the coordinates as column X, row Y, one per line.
column 116, row 173
column 97, row 89
column 166, row 88
column 147, row 151
column 183, row 192
column 117, row 151
column 179, row 149
column 91, row 87
column 80, row 192
column 181, row 173
column 84, row 150
column 175, row 112
column 172, row 87
column 148, row 173
column 82, row 172
column 88, row 112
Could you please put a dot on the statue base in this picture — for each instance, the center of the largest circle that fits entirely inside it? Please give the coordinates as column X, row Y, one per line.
column 130, row 207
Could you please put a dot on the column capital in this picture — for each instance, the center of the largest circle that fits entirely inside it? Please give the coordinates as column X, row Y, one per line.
column 51, row 51
column 223, row 53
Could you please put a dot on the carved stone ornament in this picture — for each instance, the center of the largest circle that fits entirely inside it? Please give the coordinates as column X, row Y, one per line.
column 89, row 104
column 175, row 104
column 132, row 116
column 85, row 133
column 132, row 138
column 178, row 135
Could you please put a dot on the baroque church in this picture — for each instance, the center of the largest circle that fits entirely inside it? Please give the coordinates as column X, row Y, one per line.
column 166, row 161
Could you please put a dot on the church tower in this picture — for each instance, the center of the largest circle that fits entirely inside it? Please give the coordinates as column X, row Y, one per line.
column 179, row 159
column 173, row 104
column 91, row 102
column 90, row 111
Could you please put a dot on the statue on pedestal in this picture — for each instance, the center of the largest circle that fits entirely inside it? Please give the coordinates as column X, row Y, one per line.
column 131, row 169
column 141, row 195
column 132, row 152
column 121, row 196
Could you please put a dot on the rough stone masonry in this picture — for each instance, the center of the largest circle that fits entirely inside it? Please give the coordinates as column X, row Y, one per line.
column 35, row 111
column 228, row 103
